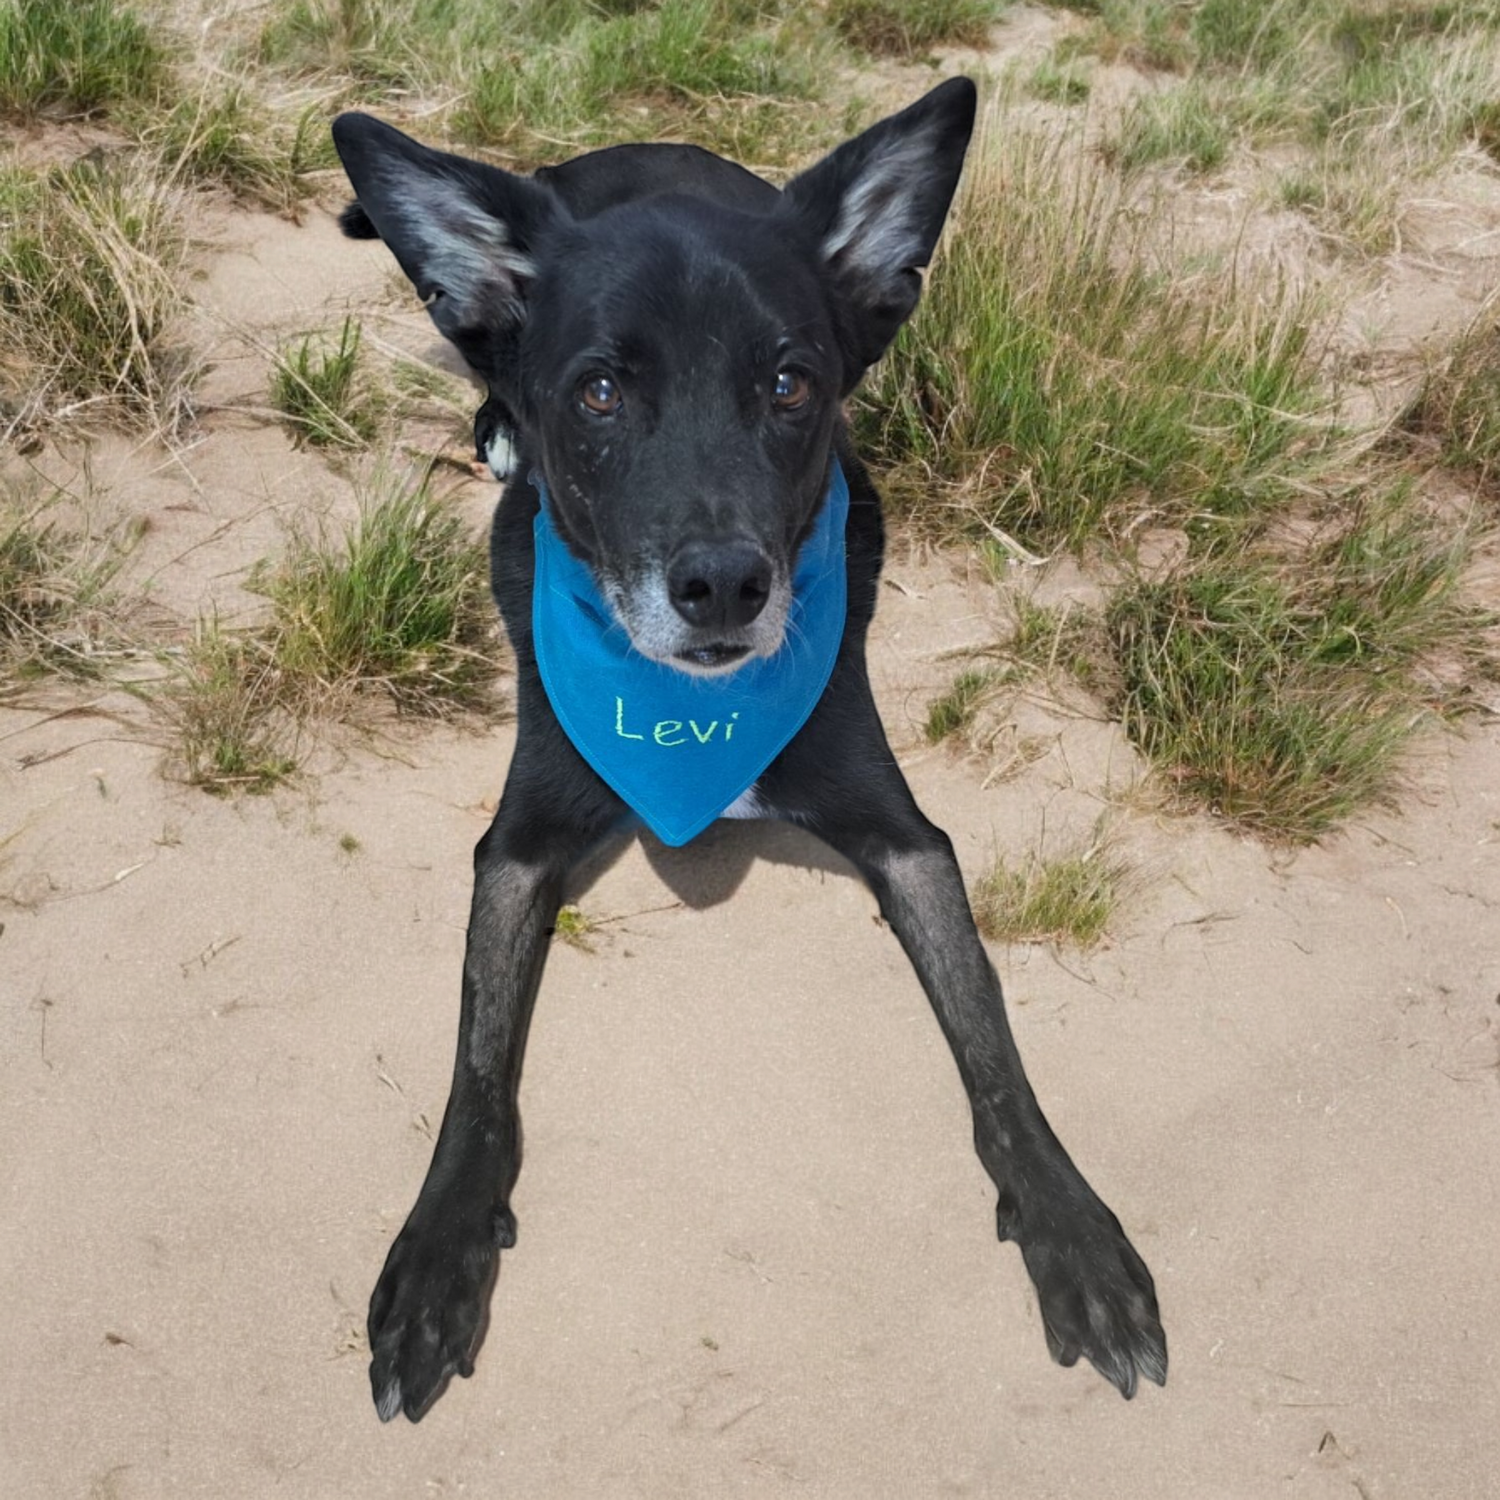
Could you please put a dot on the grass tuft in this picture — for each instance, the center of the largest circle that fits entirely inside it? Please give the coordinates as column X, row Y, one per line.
column 374, row 42
column 911, row 28
column 1231, row 34
column 226, row 702
column 76, row 57
column 1056, row 382
column 1459, row 404
column 1067, row 900
column 55, row 600
column 683, row 67
column 1379, row 94
column 1186, row 125
column 399, row 604
column 315, row 384
column 220, row 136
column 90, row 257
column 538, row 82
column 953, row 712
column 1056, row 80
column 1284, row 699
column 1147, row 34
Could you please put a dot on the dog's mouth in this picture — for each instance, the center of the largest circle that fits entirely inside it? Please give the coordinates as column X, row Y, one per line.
column 713, row 658
column 657, row 630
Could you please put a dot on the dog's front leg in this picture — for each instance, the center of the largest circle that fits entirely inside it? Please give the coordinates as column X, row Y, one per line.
column 428, row 1306
column 1097, row 1297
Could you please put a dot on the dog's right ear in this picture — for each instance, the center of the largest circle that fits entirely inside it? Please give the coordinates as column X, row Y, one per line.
column 462, row 231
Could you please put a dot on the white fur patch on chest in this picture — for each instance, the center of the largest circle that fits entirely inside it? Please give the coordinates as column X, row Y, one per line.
column 747, row 805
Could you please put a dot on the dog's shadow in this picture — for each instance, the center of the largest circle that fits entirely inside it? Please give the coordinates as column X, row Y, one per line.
column 713, row 866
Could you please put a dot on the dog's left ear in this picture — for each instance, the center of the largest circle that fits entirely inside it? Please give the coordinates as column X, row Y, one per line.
column 876, row 207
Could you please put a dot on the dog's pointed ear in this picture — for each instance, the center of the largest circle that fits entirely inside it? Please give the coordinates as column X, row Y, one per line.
column 876, row 206
column 462, row 231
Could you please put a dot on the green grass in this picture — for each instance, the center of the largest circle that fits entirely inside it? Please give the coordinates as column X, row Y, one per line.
column 1058, row 383
column 1380, row 93
column 1187, row 125
column 399, row 603
column 383, row 44
column 1425, row 70
column 1058, row 80
column 574, row 927
column 953, row 711
column 1149, row 34
column 1069, row 383
column 91, row 259
column 1459, row 404
column 691, row 68
column 1047, row 643
column 77, row 57
column 911, row 28
column 227, row 703
column 1067, row 899
column 538, row 82
column 56, row 604
column 316, row 385
column 1284, row 696
column 221, row 136
column 1231, row 34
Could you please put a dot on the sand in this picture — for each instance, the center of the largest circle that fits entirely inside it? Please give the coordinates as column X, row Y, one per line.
column 756, row 1252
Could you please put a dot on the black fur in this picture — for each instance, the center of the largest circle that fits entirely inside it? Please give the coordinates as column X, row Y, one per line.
column 695, row 292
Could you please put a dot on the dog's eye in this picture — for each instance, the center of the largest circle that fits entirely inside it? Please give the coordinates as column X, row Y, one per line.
column 790, row 391
column 600, row 395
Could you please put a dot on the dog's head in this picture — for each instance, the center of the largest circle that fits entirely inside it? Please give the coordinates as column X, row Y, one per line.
column 674, row 339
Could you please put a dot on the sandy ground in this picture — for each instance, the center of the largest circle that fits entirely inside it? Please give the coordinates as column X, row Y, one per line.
column 756, row 1252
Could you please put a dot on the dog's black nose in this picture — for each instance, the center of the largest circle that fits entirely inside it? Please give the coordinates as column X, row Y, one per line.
column 719, row 583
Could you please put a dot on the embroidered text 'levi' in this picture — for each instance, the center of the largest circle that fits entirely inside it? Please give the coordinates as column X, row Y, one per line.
column 680, row 749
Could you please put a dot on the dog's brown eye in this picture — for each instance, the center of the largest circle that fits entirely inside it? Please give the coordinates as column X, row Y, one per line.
column 600, row 395
column 790, row 391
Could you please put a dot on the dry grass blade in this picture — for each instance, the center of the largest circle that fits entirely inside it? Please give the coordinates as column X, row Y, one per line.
column 90, row 290
column 55, row 602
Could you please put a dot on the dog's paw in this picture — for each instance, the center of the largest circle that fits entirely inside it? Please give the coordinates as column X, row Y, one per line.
column 1097, row 1297
column 428, row 1307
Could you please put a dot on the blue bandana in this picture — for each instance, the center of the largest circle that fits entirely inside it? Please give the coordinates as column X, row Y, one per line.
column 681, row 749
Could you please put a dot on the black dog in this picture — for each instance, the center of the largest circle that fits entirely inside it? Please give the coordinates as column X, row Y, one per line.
column 669, row 339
